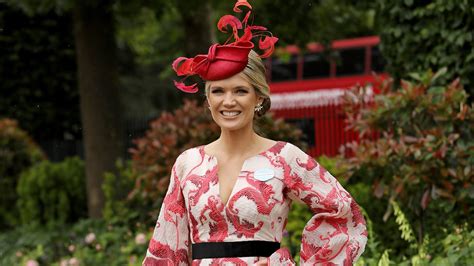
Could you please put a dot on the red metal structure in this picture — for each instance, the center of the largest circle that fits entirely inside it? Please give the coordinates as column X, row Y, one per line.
column 307, row 88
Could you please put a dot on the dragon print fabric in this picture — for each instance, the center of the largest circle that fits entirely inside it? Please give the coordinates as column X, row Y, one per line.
column 193, row 212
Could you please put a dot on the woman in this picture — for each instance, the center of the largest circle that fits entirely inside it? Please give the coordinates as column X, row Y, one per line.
column 228, row 201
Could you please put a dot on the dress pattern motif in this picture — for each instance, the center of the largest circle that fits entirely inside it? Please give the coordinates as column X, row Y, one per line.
column 193, row 212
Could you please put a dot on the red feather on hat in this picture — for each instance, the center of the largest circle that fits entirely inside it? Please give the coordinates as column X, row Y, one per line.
column 225, row 60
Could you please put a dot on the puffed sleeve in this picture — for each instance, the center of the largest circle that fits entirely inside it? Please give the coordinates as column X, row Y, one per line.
column 169, row 244
column 336, row 234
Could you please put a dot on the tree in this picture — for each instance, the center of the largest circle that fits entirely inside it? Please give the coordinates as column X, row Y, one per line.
column 300, row 22
column 38, row 69
column 98, row 87
column 418, row 35
column 94, row 35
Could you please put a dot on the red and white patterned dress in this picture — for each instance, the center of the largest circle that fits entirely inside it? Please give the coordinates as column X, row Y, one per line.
column 193, row 212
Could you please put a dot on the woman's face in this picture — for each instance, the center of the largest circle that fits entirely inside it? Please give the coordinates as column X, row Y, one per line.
column 232, row 102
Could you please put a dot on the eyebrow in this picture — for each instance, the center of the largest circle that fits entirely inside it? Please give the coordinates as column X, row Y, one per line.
column 238, row 87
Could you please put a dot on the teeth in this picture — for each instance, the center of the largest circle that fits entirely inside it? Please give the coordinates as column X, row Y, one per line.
column 230, row 113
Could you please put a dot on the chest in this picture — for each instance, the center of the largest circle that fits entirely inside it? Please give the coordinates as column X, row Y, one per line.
column 226, row 200
column 227, row 174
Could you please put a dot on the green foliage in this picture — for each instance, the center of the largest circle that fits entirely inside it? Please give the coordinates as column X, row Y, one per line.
column 53, row 192
column 297, row 217
column 425, row 151
column 24, row 242
column 384, row 260
column 39, row 85
column 17, row 153
column 88, row 242
column 301, row 22
column 148, row 42
column 418, row 35
column 403, row 223
column 457, row 248
column 116, row 189
column 419, row 168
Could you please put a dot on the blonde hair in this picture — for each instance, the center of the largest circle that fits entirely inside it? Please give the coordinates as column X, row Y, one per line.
column 255, row 73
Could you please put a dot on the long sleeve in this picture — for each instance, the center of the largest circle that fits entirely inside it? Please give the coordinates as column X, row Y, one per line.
column 336, row 234
column 169, row 244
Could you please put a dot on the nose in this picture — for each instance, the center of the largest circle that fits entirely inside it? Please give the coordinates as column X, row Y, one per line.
column 229, row 99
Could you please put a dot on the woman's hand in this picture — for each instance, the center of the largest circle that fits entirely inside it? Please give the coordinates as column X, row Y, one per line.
column 262, row 262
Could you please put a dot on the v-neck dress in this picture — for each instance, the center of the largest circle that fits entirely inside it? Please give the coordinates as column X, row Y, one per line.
column 257, row 209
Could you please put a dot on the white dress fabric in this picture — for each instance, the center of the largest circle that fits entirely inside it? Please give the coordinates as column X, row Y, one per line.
column 193, row 212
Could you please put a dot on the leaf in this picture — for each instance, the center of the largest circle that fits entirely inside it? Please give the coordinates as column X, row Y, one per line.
column 425, row 200
column 437, row 90
column 379, row 190
column 439, row 73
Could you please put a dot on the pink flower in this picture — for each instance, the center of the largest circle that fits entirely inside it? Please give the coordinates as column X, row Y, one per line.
column 32, row 263
column 71, row 248
column 63, row 263
column 140, row 239
column 18, row 254
column 90, row 238
column 98, row 247
column 73, row 262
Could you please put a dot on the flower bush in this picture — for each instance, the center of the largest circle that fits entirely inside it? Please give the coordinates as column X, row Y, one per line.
column 88, row 242
column 418, row 169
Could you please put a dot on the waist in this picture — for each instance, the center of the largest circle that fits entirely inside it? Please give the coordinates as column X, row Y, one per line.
column 255, row 248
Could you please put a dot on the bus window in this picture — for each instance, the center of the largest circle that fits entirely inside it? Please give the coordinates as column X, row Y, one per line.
column 378, row 62
column 350, row 61
column 315, row 66
column 284, row 69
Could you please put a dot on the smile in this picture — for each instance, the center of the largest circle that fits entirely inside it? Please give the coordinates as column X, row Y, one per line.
column 230, row 113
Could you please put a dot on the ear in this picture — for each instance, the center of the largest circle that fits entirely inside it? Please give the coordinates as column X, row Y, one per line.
column 260, row 100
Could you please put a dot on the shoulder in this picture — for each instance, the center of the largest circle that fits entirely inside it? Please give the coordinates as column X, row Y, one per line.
column 188, row 158
column 291, row 151
column 190, row 153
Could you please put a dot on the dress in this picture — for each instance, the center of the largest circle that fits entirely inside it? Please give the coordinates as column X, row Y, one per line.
column 193, row 212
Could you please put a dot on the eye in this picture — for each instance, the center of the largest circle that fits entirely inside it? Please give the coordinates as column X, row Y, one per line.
column 242, row 91
column 216, row 90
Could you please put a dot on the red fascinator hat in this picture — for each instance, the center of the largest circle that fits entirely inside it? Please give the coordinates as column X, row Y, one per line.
column 225, row 60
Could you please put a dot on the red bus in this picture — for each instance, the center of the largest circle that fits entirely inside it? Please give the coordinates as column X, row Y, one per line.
column 306, row 88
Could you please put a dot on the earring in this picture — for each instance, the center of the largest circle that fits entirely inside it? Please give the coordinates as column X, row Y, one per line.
column 259, row 107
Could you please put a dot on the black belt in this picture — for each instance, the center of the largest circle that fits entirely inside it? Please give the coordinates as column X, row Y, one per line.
column 210, row 250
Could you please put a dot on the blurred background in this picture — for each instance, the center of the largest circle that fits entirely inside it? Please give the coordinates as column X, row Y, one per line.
column 380, row 92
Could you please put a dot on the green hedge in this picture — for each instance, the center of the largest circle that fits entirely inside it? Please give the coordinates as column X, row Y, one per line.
column 53, row 192
column 17, row 153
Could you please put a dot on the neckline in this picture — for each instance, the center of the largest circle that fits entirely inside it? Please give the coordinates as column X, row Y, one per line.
column 277, row 142
column 213, row 157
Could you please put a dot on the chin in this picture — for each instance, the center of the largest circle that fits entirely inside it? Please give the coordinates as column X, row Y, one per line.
column 231, row 127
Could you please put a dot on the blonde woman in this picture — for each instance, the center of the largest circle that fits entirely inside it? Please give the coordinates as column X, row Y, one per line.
column 228, row 201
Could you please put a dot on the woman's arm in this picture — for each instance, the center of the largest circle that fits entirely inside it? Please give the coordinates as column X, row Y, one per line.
column 169, row 244
column 336, row 234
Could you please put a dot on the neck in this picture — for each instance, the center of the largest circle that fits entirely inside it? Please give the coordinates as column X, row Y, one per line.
column 239, row 141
